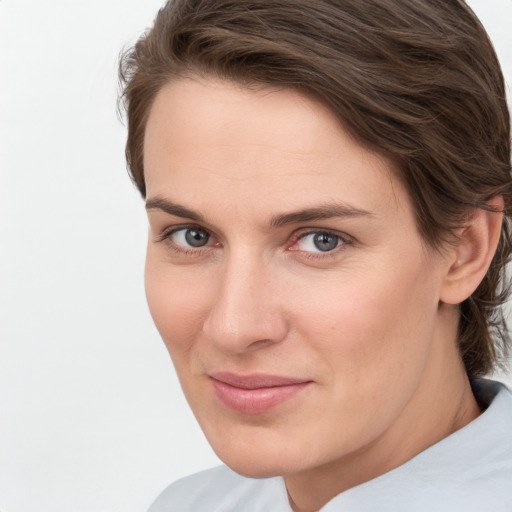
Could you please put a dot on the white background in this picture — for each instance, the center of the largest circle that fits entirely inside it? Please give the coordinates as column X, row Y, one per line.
column 92, row 419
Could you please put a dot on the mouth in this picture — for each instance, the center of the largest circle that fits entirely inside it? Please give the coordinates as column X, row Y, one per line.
column 256, row 393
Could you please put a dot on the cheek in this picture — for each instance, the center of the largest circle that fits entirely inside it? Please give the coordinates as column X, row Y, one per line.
column 375, row 325
column 177, row 308
column 371, row 338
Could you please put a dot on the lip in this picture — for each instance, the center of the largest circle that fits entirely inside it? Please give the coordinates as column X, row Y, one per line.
column 255, row 393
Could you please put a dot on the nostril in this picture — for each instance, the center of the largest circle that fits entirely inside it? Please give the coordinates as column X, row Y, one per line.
column 260, row 344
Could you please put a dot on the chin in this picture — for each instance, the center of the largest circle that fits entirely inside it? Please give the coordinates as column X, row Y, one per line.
column 256, row 456
column 258, row 467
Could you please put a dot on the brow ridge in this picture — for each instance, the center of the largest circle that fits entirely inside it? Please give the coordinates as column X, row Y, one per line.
column 159, row 203
column 327, row 211
column 321, row 212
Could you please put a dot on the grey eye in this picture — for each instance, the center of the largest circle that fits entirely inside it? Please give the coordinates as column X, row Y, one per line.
column 325, row 241
column 196, row 237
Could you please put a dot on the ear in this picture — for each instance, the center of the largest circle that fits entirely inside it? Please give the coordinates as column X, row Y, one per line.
column 473, row 252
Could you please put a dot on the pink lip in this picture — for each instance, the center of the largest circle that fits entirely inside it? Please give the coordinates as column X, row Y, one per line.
column 254, row 394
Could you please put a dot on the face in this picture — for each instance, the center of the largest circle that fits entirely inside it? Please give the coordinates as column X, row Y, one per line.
column 285, row 274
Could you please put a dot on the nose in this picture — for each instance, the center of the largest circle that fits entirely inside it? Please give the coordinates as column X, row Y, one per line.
column 246, row 312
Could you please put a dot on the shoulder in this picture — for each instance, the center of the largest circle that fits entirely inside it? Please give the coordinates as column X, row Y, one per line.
column 491, row 432
column 220, row 490
column 185, row 493
column 472, row 469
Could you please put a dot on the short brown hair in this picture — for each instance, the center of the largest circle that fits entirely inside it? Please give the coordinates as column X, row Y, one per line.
column 418, row 79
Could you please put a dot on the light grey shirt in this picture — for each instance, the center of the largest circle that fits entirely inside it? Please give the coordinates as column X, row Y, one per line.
column 469, row 471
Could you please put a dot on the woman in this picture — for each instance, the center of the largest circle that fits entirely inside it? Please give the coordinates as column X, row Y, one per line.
column 328, row 191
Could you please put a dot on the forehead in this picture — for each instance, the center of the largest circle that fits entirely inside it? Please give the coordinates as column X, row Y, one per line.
column 277, row 144
column 274, row 119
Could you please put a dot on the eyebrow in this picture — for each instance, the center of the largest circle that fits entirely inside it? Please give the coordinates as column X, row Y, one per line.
column 158, row 203
column 321, row 212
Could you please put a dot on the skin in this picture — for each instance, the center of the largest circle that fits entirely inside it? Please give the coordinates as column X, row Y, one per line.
column 368, row 324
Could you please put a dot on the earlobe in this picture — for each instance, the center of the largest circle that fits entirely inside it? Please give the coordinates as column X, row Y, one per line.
column 473, row 252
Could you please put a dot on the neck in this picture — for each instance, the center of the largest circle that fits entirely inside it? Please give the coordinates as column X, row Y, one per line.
column 442, row 404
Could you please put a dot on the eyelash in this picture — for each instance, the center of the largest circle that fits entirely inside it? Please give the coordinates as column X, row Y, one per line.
column 167, row 234
column 344, row 240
